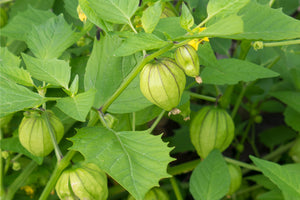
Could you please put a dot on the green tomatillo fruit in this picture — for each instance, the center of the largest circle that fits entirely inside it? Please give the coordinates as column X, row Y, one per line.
column 211, row 128
column 155, row 193
column 235, row 178
column 83, row 181
column 187, row 59
column 34, row 132
column 162, row 82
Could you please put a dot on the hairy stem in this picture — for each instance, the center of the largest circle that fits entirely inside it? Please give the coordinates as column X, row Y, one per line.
column 203, row 97
column 60, row 166
column 238, row 101
column 52, row 135
column 176, row 188
column 241, row 164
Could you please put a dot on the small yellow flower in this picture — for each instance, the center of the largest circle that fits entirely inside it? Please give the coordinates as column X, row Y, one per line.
column 195, row 42
column 29, row 190
column 81, row 14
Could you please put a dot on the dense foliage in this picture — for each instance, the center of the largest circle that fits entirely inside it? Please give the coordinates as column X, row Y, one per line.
column 152, row 99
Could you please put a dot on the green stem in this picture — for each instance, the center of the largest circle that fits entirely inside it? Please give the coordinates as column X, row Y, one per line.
column 248, row 189
column 133, row 121
column 176, row 188
column 131, row 26
column 203, row 97
column 242, row 164
column 271, row 3
column 183, row 168
column 245, row 134
column 279, row 151
column 252, row 142
column 157, row 120
column 2, row 192
column 16, row 157
column 60, row 166
column 52, row 135
column 238, row 102
column 20, row 180
column 132, row 75
column 51, row 98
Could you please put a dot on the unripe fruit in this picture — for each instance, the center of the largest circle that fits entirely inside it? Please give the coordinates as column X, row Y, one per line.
column 16, row 166
column 84, row 181
column 34, row 133
column 295, row 151
column 187, row 59
column 162, row 82
column 235, row 178
column 154, row 194
column 212, row 128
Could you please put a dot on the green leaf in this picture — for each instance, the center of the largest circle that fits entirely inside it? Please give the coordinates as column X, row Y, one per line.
column 132, row 97
column 264, row 23
column 53, row 71
column 225, row 7
column 13, row 144
column 14, row 97
column 93, row 17
column 274, row 194
column 274, row 136
column 231, row 71
column 225, row 27
column 287, row 178
column 78, row 106
column 186, row 18
column 291, row 118
column 7, row 59
column 136, row 160
column 170, row 26
column 106, row 72
column 210, row 180
column 147, row 114
column 74, row 85
column 291, row 98
column 51, row 39
column 71, row 7
column 139, row 42
column 23, row 23
column 151, row 17
column 115, row 11
column 181, row 140
column 18, row 75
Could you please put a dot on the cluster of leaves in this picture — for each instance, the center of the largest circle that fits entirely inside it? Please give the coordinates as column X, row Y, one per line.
column 82, row 70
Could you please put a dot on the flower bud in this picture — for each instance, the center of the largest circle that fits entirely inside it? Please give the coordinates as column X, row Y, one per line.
column 85, row 181
column 212, row 128
column 162, row 82
column 34, row 133
column 16, row 166
column 187, row 59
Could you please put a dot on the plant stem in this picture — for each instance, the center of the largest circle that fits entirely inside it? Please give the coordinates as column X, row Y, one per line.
column 279, row 151
column 20, row 180
column 242, row 164
column 60, row 166
column 271, row 3
column 203, row 97
column 58, row 153
column 183, row 168
column 133, row 121
column 131, row 26
column 16, row 157
column 157, row 120
column 238, row 102
column 176, row 188
column 2, row 192
column 249, row 189
column 274, row 44
column 132, row 75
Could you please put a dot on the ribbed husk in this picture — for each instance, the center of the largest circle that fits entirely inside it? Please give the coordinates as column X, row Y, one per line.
column 187, row 59
column 212, row 128
column 84, row 181
column 162, row 82
column 34, row 134
column 154, row 194
column 235, row 178
column 295, row 151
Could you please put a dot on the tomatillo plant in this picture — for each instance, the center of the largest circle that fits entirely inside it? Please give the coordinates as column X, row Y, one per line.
column 102, row 99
